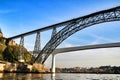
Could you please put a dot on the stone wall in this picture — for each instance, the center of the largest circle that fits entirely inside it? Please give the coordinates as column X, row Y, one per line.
column 1, row 35
column 21, row 67
column 2, row 67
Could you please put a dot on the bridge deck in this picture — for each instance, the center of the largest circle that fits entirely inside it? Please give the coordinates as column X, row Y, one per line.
column 58, row 24
column 78, row 48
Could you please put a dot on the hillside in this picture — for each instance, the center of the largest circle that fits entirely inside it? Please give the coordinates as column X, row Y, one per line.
column 10, row 51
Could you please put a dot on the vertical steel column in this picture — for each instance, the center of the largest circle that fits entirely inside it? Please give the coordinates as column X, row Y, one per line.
column 53, row 54
column 54, row 31
column 21, row 56
column 37, row 46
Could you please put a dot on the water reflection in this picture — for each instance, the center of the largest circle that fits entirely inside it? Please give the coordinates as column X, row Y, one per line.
column 53, row 76
column 58, row 76
column 26, row 76
column 21, row 76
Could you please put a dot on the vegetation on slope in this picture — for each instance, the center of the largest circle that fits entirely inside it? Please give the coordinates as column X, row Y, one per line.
column 11, row 53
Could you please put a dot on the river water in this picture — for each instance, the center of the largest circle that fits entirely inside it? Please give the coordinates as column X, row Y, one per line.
column 58, row 76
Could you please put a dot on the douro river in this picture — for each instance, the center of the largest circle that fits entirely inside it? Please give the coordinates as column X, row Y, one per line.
column 58, row 76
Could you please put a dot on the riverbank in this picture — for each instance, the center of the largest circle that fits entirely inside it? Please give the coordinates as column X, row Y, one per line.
column 23, row 68
column 91, row 70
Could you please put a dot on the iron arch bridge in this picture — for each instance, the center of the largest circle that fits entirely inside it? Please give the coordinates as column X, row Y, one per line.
column 69, row 27
column 74, row 25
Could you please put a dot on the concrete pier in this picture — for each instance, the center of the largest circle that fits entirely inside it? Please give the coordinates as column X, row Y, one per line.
column 53, row 63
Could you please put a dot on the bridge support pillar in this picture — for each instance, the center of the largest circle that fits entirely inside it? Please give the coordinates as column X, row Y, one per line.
column 21, row 55
column 53, row 54
column 53, row 63
column 54, row 31
column 37, row 46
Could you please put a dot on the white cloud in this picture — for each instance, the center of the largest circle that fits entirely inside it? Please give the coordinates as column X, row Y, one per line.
column 68, row 45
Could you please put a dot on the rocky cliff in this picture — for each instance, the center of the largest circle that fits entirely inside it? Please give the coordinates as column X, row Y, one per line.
column 9, row 51
column 9, row 58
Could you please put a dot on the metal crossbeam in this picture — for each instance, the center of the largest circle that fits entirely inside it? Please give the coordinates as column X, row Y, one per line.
column 77, row 25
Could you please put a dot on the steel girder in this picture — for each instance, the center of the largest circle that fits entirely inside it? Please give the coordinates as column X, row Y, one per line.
column 77, row 25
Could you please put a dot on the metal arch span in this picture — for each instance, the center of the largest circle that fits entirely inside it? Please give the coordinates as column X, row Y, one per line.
column 77, row 25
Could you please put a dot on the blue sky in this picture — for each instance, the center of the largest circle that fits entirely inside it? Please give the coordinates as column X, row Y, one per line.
column 20, row 16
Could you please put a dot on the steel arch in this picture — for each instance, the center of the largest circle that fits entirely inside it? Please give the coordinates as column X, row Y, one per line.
column 77, row 25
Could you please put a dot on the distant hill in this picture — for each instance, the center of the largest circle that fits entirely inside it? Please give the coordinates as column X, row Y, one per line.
column 9, row 51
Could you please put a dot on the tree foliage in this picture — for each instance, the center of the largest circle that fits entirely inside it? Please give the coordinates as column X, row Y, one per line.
column 12, row 52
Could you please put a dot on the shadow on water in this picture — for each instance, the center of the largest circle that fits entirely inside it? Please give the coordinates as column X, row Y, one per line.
column 21, row 76
column 26, row 76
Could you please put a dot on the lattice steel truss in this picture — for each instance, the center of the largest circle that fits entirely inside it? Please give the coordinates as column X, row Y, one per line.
column 75, row 25
column 37, row 46
column 21, row 48
column 54, row 32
